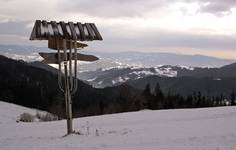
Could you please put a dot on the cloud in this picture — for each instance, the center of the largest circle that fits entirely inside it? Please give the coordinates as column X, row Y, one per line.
column 161, row 39
column 111, row 8
column 15, row 28
column 139, row 8
column 218, row 8
column 57, row 9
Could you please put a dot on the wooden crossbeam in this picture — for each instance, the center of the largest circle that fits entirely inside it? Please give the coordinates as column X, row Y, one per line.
column 52, row 43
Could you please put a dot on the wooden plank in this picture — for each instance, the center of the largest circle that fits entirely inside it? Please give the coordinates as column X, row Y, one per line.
column 52, row 58
column 77, row 32
column 38, row 29
column 55, row 29
column 66, row 35
column 45, row 27
column 83, row 57
column 87, row 38
column 72, row 29
column 52, row 43
column 98, row 35
column 81, row 29
column 90, row 31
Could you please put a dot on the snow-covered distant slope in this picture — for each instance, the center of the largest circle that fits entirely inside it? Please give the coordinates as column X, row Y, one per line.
column 183, row 129
column 159, row 58
column 112, row 76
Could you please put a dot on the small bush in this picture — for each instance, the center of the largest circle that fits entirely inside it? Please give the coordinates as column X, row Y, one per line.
column 26, row 117
column 46, row 117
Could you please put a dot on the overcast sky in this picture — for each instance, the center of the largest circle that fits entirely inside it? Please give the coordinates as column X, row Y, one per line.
column 205, row 27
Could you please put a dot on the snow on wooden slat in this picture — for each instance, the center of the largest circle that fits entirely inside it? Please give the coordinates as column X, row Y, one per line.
column 73, row 32
column 90, row 31
column 51, row 32
column 44, row 30
column 98, row 35
column 64, row 29
column 81, row 29
column 68, row 30
column 38, row 28
column 55, row 29
column 60, row 30
column 78, row 34
column 86, row 32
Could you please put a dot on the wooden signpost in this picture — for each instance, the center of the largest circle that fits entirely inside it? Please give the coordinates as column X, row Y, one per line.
column 64, row 38
column 52, row 58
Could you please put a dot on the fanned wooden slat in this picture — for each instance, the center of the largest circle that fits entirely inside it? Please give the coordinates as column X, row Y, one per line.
column 98, row 35
column 44, row 30
column 72, row 29
column 65, row 32
column 87, row 38
column 90, row 31
column 45, row 27
column 81, row 29
column 38, row 29
column 55, row 29
column 77, row 32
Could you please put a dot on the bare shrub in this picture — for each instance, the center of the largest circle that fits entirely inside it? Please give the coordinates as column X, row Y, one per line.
column 26, row 117
column 46, row 116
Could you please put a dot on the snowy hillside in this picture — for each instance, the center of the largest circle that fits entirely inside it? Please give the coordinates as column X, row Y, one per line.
column 111, row 76
column 196, row 129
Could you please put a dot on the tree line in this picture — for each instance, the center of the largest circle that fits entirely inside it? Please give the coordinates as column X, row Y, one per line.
column 157, row 100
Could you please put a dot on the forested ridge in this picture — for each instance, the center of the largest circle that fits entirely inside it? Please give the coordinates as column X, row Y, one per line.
column 23, row 84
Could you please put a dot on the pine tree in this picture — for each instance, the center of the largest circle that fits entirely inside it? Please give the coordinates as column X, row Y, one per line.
column 189, row 101
column 159, row 97
column 232, row 97
column 147, row 90
column 158, row 92
column 149, row 97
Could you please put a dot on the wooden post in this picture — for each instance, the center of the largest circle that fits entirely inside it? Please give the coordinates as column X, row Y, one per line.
column 67, row 93
column 69, row 86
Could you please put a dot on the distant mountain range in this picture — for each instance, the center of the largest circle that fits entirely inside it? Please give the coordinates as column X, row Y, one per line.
column 153, row 59
column 117, row 68
column 146, row 59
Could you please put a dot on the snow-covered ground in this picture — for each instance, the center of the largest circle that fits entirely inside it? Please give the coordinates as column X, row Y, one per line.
column 183, row 129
